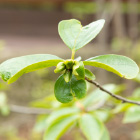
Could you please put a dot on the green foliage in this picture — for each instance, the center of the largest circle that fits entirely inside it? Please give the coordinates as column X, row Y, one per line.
column 12, row 69
column 93, row 128
column 62, row 90
column 75, row 36
column 77, row 109
column 67, row 86
column 4, row 108
column 120, row 65
column 55, row 131
column 89, row 75
column 132, row 114
column 71, row 85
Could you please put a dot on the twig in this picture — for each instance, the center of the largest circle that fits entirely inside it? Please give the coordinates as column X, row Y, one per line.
column 124, row 100
column 28, row 110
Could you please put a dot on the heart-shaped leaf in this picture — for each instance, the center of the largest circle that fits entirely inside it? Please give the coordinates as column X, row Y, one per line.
column 12, row 69
column 120, row 65
column 78, row 87
column 75, row 36
column 62, row 90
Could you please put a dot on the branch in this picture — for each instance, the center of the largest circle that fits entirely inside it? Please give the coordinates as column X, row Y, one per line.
column 28, row 110
column 124, row 100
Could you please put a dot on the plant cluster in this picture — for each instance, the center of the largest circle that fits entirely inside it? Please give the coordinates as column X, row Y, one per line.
column 71, row 84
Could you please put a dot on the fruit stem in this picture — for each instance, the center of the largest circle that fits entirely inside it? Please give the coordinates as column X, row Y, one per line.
column 73, row 53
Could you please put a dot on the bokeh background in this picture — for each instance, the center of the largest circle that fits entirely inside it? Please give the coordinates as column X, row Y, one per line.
column 31, row 27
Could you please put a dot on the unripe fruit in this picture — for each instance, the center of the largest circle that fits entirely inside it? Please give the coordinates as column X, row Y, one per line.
column 75, row 67
column 67, row 75
column 69, row 63
column 60, row 67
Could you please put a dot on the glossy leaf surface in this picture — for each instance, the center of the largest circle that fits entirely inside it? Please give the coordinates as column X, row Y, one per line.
column 120, row 65
column 75, row 36
column 12, row 69
column 62, row 90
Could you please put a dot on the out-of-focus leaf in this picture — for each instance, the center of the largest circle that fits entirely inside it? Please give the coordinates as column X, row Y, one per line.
column 55, row 131
column 3, row 99
column 12, row 69
column 57, row 115
column 75, row 36
column 105, row 135
column 120, row 65
column 102, row 115
column 132, row 115
column 92, row 128
column 137, row 79
column 136, row 93
column 122, row 107
column 4, row 108
column 40, row 123
column 97, row 95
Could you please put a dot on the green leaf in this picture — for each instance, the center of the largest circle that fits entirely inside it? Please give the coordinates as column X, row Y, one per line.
column 120, row 65
column 75, row 36
column 91, row 127
column 89, row 75
column 105, row 135
column 132, row 115
column 12, row 69
column 98, row 96
column 60, row 114
column 79, row 71
column 122, row 107
column 136, row 93
column 55, row 131
column 78, row 87
column 103, row 115
column 40, row 124
column 62, row 90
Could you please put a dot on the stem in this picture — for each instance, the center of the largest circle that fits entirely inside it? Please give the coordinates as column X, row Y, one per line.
column 124, row 100
column 73, row 53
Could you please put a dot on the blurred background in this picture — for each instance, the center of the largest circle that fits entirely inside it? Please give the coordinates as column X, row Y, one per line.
column 31, row 27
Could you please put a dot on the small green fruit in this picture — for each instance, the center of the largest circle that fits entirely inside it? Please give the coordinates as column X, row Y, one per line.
column 60, row 67
column 69, row 63
column 67, row 75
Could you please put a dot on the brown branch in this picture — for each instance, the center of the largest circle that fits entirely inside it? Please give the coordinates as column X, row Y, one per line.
column 124, row 100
